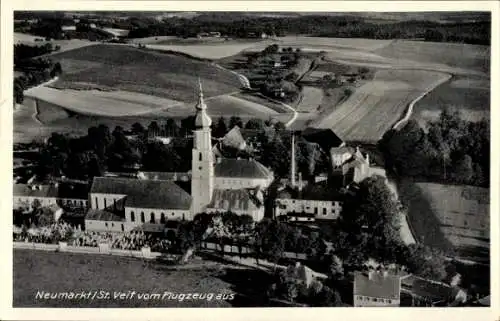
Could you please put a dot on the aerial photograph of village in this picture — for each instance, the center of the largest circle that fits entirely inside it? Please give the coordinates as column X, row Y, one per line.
column 251, row 159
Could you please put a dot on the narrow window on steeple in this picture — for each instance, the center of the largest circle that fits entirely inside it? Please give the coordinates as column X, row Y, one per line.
column 200, row 157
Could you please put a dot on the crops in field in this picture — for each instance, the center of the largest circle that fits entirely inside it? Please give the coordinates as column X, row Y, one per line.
column 470, row 96
column 131, row 69
column 374, row 107
column 449, row 217
column 466, row 56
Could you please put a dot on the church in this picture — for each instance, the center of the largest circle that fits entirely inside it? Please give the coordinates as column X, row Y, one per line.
column 218, row 184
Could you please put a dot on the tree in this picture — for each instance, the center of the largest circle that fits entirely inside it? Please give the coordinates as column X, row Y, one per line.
column 235, row 121
column 172, row 128
column 426, row 262
column 255, row 123
column 220, row 129
column 372, row 212
column 153, row 129
column 463, row 169
column 137, row 128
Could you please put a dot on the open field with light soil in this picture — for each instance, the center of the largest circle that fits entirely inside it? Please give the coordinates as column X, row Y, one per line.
column 450, row 217
column 374, row 107
column 100, row 103
column 327, row 44
column 137, row 70
column 474, row 57
column 62, row 272
column 471, row 96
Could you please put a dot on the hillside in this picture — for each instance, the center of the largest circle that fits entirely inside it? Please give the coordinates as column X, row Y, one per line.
column 111, row 67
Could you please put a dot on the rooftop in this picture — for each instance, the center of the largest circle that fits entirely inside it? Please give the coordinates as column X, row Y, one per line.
column 325, row 138
column 241, row 168
column 378, row 286
column 60, row 190
column 100, row 215
column 144, row 193
column 234, row 200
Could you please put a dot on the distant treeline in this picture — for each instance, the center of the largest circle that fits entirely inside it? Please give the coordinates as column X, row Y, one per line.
column 242, row 26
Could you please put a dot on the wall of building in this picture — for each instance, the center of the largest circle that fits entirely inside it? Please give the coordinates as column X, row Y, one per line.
column 239, row 183
column 103, row 201
column 81, row 203
column 365, row 301
column 27, row 201
column 134, row 215
column 321, row 209
column 107, row 226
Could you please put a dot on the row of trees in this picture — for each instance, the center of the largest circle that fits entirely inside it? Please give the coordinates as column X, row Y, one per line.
column 451, row 150
column 35, row 71
column 331, row 26
column 22, row 51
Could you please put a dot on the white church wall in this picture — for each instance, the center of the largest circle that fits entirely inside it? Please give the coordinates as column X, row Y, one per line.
column 103, row 201
column 154, row 215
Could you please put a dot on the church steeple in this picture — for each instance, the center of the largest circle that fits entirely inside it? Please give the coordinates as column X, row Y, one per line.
column 202, row 119
column 202, row 171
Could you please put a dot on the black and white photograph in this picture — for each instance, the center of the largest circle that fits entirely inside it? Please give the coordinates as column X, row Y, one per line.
column 222, row 159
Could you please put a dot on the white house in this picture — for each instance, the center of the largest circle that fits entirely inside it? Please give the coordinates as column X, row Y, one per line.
column 376, row 289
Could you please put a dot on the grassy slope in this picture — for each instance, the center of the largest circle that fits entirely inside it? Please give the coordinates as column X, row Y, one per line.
column 123, row 67
column 454, row 224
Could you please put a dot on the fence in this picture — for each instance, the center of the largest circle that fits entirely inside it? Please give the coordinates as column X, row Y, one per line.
column 101, row 249
column 245, row 250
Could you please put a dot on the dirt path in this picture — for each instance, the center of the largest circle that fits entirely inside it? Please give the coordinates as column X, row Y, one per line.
column 416, row 100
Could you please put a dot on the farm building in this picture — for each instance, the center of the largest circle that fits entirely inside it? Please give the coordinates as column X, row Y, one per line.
column 376, row 289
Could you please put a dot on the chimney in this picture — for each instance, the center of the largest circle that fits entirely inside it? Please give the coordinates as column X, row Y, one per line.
column 292, row 174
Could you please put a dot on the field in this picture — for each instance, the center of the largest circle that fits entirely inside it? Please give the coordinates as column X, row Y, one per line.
column 327, row 44
column 455, row 55
column 450, row 217
column 142, row 71
column 22, row 38
column 100, row 103
column 374, row 107
column 62, row 272
column 470, row 95
column 311, row 99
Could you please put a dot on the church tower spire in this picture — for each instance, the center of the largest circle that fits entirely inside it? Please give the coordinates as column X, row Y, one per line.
column 202, row 119
column 202, row 171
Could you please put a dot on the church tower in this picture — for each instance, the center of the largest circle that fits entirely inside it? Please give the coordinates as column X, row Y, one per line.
column 202, row 172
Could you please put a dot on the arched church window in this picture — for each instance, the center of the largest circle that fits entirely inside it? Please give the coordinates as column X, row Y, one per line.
column 132, row 216
column 152, row 220
column 200, row 157
column 162, row 218
column 142, row 217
